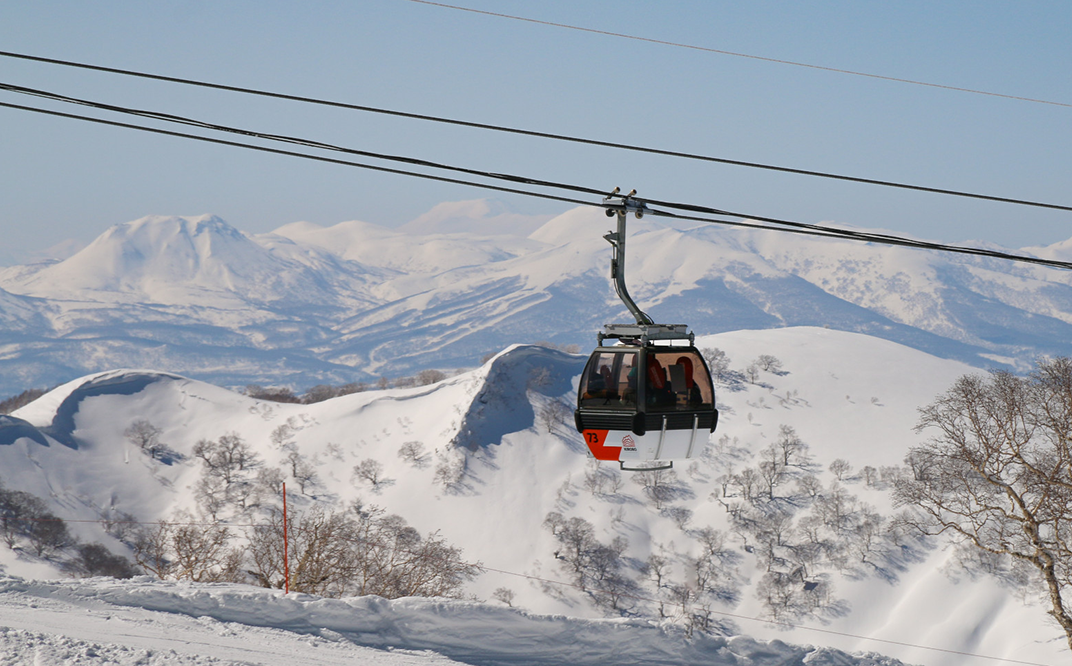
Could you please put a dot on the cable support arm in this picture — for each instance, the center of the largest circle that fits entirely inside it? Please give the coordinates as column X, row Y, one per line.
column 621, row 207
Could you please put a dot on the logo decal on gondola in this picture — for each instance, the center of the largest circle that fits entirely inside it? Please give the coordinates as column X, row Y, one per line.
column 628, row 443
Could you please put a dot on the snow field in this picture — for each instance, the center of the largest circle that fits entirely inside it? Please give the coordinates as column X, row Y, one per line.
column 516, row 474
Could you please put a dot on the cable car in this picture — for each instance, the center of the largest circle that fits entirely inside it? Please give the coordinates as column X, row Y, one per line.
column 647, row 397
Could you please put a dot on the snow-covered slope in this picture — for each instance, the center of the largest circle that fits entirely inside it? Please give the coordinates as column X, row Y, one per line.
column 354, row 302
column 100, row 622
column 845, row 395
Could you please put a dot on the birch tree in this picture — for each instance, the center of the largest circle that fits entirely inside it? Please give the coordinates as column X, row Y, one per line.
column 997, row 474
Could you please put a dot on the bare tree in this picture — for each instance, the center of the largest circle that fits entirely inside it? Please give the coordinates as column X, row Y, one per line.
column 17, row 509
column 413, row 453
column 451, row 470
column 227, row 458
column 809, row 485
column 319, row 393
column 554, row 521
column 717, row 362
column 539, row 378
column 93, row 559
column 660, row 485
column 200, row 553
column 272, row 393
column 578, row 539
column 302, row 471
column 505, row 595
column 23, row 515
column 867, row 533
column 370, row 470
column 791, row 449
column 320, row 552
column 554, row 412
column 748, row 482
column 656, row 568
column 835, row 508
column 145, row 436
column 47, row 534
column 118, row 524
column 211, row 494
column 682, row 594
column 998, row 473
column 282, row 435
column 21, row 400
column 226, row 479
column 680, row 515
column 601, row 481
column 152, row 549
column 357, row 552
column 889, row 474
column 841, row 468
column 425, row 377
column 769, row 363
column 786, row 596
column 188, row 548
column 772, row 473
column 270, row 481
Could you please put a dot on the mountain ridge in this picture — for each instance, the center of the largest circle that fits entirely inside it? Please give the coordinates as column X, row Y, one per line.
column 306, row 304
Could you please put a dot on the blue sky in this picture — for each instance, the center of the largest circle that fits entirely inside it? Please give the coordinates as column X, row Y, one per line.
column 67, row 179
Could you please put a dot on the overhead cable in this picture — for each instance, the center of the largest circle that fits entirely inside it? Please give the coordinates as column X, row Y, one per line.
column 817, row 229
column 778, row 225
column 739, row 55
column 182, row 120
column 544, row 135
column 291, row 153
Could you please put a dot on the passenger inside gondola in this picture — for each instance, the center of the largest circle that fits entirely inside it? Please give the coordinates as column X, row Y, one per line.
column 610, row 381
column 658, row 390
column 691, row 391
column 674, row 383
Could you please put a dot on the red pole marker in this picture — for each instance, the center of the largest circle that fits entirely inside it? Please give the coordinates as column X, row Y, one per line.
column 286, row 545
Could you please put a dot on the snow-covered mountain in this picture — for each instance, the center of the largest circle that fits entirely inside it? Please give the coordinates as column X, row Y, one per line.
column 353, row 302
column 845, row 395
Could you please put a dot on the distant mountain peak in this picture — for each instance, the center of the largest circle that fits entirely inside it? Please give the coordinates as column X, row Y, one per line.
column 309, row 304
column 482, row 217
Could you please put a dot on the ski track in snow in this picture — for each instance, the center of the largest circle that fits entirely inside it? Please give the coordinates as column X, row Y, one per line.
column 56, row 626
column 153, row 623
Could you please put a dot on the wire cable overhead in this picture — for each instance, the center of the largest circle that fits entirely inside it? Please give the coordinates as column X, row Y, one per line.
column 692, row 211
column 544, row 135
column 735, row 54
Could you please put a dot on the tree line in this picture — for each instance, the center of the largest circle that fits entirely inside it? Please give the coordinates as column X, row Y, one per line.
column 27, row 525
column 358, row 551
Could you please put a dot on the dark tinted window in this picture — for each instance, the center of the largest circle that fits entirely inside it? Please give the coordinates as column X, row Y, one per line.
column 677, row 380
column 609, row 381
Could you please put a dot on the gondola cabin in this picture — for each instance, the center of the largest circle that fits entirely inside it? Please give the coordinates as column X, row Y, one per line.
column 647, row 397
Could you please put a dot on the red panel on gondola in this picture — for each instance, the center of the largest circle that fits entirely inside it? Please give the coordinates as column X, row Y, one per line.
column 595, row 439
